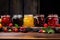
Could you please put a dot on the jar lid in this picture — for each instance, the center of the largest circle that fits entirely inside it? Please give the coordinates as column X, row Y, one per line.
column 55, row 15
column 19, row 16
column 14, row 16
column 7, row 15
column 28, row 15
column 49, row 15
column 41, row 15
column 35, row 16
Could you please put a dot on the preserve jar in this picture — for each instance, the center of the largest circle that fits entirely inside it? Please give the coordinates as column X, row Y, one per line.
column 28, row 20
column 39, row 20
column 53, row 20
column 6, row 19
column 17, row 19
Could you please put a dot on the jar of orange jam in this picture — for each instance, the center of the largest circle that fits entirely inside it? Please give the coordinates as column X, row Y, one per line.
column 28, row 21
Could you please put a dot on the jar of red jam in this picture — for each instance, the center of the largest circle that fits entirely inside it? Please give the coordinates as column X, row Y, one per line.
column 6, row 20
column 52, row 20
column 39, row 20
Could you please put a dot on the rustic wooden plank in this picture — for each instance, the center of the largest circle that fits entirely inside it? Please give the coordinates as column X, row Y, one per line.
column 29, row 35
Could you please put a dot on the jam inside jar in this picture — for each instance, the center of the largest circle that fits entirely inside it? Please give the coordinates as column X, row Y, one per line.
column 28, row 20
column 53, row 20
column 6, row 19
column 39, row 20
column 17, row 19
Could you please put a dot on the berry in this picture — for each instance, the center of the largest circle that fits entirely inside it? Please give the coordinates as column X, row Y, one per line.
column 0, row 19
column 9, row 30
column 22, row 29
column 5, row 29
column 45, row 25
column 40, row 31
column 1, row 25
column 15, row 29
column 44, row 31
column 10, row 24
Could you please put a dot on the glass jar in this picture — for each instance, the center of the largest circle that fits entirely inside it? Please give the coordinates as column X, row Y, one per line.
column 39, row 20
column 28, row 20
column 17, row 19
column 53, row 20
column 6, row 20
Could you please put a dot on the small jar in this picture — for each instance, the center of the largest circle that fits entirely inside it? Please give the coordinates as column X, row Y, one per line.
column 28, row 20
column 6, row 20
column 53, row 20
column 39, row 20
column 17, row 19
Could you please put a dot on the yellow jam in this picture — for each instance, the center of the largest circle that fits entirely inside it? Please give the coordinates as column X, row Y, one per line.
column 28, row 21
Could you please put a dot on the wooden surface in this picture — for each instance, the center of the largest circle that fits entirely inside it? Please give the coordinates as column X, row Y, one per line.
column 29, row 35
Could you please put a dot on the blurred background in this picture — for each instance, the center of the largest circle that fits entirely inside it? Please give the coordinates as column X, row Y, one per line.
column 29, row 7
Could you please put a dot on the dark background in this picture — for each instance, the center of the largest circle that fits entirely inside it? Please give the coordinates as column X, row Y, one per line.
column 29, row 7
column 50, row 6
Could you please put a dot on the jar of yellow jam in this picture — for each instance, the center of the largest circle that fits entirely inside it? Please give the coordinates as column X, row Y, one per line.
column 28, row 21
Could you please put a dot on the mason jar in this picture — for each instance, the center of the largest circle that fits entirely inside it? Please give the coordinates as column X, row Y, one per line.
column 17, row 19
column 39, row 20
column 28, row 20
column 53, row 20
column 6, row 19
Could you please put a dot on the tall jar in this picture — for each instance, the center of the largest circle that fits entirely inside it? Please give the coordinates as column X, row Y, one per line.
column 28, row 20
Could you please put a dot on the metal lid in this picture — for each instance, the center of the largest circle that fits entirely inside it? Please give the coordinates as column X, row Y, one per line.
column 55, row 15
column 19, row 16
column 14, row 16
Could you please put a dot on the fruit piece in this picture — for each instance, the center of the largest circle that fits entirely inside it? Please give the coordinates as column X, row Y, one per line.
column 45, row 25
column 0, row 19
column 10, row 24
column 41, row 31
column 44, row 31
column 5, row 29
column 1, row 25
column 14, row 29
column 22, row 29
column 9, row 30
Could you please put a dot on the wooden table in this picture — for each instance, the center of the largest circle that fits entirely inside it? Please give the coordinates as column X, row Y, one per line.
column 29, row 35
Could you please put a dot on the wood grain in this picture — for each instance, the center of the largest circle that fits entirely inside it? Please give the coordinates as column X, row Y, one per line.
column 29, row 35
